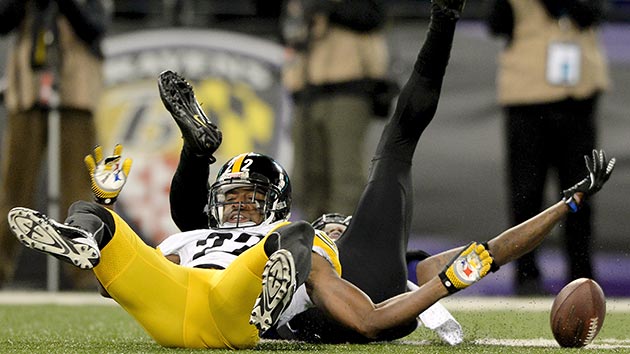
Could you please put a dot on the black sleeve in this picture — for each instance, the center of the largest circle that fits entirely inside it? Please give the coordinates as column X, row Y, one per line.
column 500, row 19
column 88, row 18
column 189, row 193
column 11, row 15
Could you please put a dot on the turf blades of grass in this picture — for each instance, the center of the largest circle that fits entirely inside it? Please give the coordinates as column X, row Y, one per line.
column 108, row 329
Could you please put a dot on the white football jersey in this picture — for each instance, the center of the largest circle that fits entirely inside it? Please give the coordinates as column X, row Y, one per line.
column 214, row 247
column 219, row 247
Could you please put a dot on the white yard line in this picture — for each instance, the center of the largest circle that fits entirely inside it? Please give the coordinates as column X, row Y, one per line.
column 57, row 298
column 455, row 303
column 464, row 303
column 539, row 342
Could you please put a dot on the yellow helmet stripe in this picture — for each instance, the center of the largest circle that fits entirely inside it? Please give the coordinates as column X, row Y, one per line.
column 238, row 162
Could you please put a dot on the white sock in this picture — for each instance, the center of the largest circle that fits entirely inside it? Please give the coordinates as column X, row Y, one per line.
column 440, row 320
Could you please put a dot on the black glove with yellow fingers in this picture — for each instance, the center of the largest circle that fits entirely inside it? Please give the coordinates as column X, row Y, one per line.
column 468, row 267
column 108, row 175
column 599, row 170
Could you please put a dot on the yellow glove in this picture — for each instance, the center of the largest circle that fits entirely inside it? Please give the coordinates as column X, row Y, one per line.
column 107, row 175
column 468, row 267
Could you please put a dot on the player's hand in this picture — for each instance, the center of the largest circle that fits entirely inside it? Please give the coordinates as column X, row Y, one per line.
column 108, row 175
column 468, row 267
column 599, row 170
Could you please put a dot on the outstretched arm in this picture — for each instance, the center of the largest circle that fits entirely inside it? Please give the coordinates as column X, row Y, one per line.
column 189, row 188
column 351, row 307
column 523, row 238
column 108, row 176
column 507, row 246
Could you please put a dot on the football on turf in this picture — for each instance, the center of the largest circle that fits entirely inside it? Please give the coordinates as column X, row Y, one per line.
column 577, row 313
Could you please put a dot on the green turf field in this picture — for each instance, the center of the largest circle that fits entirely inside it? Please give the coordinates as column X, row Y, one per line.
column 512, row 327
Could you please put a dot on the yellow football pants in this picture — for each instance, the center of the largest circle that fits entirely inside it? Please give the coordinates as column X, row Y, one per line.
column 180, row 306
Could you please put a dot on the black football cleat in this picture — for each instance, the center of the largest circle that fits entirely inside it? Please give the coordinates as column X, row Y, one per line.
column 70, row 244
column 201, row 136
column 278, row 287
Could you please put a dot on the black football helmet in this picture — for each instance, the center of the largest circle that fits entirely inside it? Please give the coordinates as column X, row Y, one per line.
column 331, row 218
column 264, row 175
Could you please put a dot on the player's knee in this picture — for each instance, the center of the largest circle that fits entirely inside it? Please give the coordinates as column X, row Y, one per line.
column 299, row 231
column 298, row 227
column 297, row 238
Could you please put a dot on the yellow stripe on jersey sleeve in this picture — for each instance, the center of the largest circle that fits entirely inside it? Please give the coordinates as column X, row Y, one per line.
column 279, row 225
column 325, row 247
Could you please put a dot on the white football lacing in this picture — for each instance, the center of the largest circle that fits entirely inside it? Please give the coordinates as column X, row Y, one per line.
column 592, row 330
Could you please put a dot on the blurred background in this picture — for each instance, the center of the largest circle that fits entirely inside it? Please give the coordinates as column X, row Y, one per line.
column 230, row 50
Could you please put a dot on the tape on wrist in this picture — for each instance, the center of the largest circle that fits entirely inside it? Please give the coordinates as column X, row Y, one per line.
column 572, row 205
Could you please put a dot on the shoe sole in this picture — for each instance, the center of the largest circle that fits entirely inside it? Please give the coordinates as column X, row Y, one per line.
column 179, row 99
column 35, row 231
column 279, row 284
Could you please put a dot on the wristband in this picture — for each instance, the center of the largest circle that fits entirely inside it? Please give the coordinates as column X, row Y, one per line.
column 494, row 266
column 448, row 284
column 105, row 201
column 573, row 206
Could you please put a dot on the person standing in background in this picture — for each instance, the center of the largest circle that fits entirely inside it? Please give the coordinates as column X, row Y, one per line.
column 337, row 56
column 62, row 37
column 551, row 73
